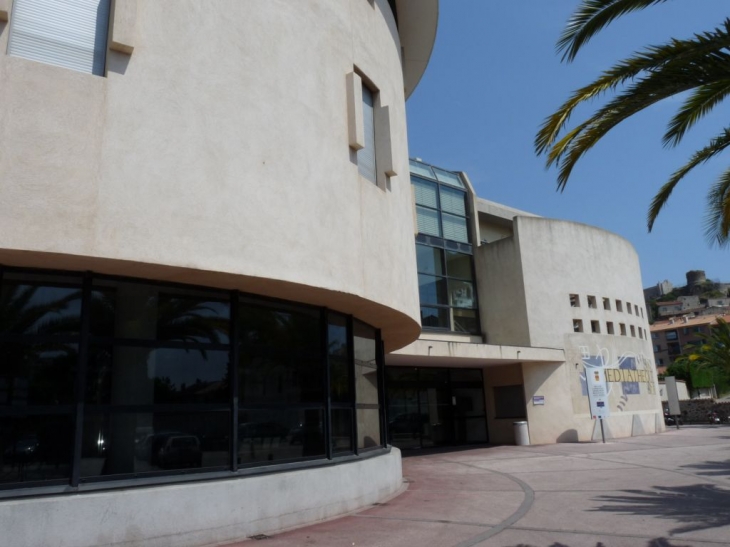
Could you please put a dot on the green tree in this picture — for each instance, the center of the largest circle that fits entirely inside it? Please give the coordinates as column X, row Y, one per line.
column 714, row 351
column 699, row 65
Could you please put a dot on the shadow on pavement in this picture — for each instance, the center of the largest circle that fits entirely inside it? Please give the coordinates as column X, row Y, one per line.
column 658, row 542
column 694, row 507
column 710, row 468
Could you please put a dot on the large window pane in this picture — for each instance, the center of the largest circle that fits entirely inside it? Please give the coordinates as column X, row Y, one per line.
column 149, row 312
column 341, row 430
column 277, row 435
column 37, row 374
column 426, row 193
column 461, row 294
column 448, row 177
column 430, row 260
column 428, row 221
column 421, row 169
column 340, row 370
column 453, row 201
column 35, row 448
column 368, row 428
column 133, row 375
column 40, row 305
column 459, row 265
column 455, row 228
column 281, row 357
column 465, row 321
column 366, row 364
column 131, row 443
column 432, row 290
column 435, row 317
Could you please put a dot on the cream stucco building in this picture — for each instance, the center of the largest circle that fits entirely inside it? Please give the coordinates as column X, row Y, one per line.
column 211, row 304
column 547, row 301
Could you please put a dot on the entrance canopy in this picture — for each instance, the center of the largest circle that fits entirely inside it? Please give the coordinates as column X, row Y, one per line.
column 424, row 353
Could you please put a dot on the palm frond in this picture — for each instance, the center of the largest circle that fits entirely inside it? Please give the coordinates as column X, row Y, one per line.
column 717, row 221
column 592, row 16
column 717, row 145
column 673, row 59
column 697, row 105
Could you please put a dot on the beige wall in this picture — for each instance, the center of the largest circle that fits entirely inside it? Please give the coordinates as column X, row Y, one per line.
column 217, row 152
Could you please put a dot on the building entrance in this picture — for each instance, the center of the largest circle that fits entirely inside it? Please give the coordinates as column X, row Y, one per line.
column 430, row 406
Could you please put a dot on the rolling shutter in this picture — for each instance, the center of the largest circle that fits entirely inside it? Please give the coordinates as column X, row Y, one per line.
column 67, row 33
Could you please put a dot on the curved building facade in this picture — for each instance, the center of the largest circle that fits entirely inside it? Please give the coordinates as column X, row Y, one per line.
column 201, row 207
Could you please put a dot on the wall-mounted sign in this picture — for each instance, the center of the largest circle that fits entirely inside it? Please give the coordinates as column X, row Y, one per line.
column 538, row 400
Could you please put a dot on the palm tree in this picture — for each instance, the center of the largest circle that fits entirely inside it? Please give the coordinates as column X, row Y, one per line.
column 699, row 65
column 714, row 351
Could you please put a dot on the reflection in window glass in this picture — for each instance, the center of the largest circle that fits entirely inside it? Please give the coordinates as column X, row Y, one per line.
column 340, row 372
column 142, row 375
column 430, row 260
column 432, row 290
column 37, row 374
column 435, row 317
column 276, row 435
column 143, row 442
column 461, row 294
column 280, row 357
column 466, row 321
column 341, row 430
column 448, row 177
column 35, row 448
column 459, row 265
column 368, row 428
column 366, row 365
column 40, row 308
column 421, row 169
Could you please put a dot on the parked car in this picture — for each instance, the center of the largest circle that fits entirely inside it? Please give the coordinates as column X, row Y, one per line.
column 180, row 451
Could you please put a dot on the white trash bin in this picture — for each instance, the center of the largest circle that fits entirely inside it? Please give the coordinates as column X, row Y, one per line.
column 522, row 434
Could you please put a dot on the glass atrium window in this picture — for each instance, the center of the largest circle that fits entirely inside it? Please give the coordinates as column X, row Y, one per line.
column 445, row 264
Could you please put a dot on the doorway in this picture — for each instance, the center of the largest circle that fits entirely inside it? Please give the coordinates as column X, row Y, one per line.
column 429, row 406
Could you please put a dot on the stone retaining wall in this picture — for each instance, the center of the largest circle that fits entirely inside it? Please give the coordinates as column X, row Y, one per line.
column 695, row 410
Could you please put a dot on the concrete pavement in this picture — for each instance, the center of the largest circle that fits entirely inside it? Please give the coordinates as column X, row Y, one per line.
column 668, row 490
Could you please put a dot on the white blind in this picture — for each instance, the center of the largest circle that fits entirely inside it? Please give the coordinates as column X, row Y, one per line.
column 428, row 222
column 425, row 193
column 366, row 155
column 453, row 201
column 455, row 228
column 67, row 33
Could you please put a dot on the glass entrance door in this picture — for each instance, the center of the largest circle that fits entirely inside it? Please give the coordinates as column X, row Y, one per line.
column 435, row 407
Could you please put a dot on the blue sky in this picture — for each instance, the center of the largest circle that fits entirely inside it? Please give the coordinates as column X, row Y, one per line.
column 493, row 78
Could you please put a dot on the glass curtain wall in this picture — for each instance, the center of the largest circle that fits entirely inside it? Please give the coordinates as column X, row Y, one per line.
column 435, row 407
column 107, row 378
column 444, row 253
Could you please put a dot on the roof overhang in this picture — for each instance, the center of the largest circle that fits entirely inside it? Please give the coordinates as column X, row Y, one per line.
column 435, row 353
column 417, row 23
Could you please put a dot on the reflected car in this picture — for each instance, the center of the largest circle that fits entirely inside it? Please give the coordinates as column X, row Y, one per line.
column 262, row 430
column 407, row 423
column 180, row 451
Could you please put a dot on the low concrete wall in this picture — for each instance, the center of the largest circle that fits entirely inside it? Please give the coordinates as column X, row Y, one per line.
column 203, row 513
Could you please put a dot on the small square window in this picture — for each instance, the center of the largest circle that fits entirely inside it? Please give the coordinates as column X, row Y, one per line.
column 622, row 327
column 654, row 336
column 592, row 302
column 619, row 305
column 574, row 301
column 628, row 307
column 577, row 325
column 661, row 361
column 657, row 347
column 607, row 304
column 595, row 327
column 633, row 331
column 609, row 327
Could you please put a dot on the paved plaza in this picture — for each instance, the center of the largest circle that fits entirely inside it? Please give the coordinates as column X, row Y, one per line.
column 668, row 490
